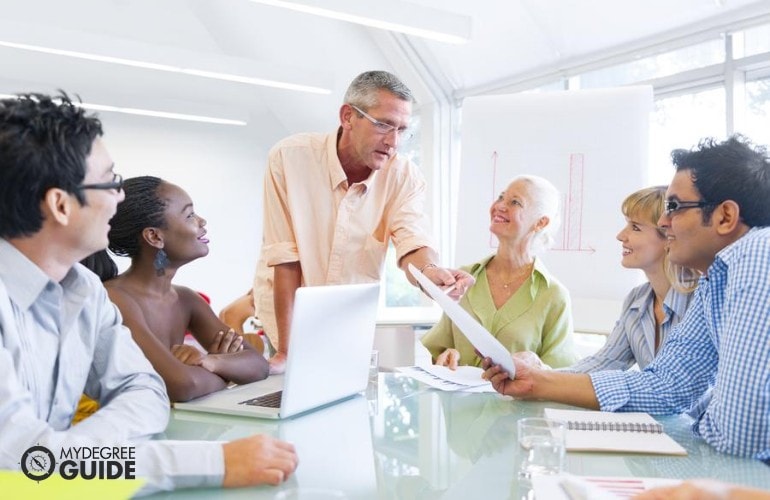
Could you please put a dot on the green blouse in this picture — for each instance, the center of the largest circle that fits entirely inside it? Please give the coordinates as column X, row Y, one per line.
column 536, row 318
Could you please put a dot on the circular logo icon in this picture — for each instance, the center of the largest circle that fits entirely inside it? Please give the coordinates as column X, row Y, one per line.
column 37, row 463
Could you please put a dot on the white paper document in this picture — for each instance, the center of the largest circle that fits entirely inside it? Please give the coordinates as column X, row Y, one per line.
column 465, row 378
column 482, row 340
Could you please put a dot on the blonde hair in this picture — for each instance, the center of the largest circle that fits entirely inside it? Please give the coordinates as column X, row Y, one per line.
column 646, row 205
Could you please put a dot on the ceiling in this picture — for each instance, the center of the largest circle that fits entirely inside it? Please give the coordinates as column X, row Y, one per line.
column 511, row 40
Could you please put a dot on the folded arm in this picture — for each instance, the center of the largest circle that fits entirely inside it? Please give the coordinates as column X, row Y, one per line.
column 183, row 381
column 229, row 357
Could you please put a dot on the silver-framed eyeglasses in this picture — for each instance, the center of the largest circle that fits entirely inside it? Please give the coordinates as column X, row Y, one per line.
column 671, row 206
column 116, row 184
column 382, row 127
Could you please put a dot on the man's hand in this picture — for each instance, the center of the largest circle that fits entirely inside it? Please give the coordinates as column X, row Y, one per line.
column 520, row 387
column 448, row 358
column 277, row 363
column 226, row 342
column 458, row 280
column 699, row 489
column 257, row 460
column 188, row 354
column 531, row 382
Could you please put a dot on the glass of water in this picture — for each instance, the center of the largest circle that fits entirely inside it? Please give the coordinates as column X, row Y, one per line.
column 543, row 442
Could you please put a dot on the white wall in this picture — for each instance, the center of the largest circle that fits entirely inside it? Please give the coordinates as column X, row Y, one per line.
column 221, row 167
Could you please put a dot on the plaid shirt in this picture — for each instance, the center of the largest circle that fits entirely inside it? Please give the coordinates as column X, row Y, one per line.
column 716, row 363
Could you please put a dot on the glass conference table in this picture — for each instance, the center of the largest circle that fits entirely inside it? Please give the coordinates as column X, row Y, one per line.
column 404, row 440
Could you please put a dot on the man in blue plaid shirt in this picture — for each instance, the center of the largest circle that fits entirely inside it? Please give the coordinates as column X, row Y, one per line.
column 716, row 363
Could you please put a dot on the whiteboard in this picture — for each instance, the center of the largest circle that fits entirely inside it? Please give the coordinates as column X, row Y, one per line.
column 592, row 145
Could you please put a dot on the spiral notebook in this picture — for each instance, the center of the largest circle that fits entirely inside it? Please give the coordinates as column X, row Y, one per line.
column 618, row 432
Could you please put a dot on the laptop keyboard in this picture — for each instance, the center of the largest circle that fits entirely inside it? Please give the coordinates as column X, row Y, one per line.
column 272, row 400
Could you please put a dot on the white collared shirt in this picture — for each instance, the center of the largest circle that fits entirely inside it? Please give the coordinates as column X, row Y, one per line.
column 60, row 340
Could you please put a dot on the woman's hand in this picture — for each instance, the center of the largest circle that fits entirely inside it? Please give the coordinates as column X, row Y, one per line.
column 531, row 359
column 226, row 342
column 449, row 358
column 188, row 354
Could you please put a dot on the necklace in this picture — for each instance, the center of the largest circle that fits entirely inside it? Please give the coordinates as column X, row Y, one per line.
column 522, row 272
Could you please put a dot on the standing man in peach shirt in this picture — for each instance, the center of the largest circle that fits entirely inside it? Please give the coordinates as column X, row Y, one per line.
column 333, row 202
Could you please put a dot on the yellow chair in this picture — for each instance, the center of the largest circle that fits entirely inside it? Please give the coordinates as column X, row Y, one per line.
column 86, row 408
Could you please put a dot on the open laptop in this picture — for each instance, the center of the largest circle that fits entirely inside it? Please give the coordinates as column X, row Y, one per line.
column 332, row 331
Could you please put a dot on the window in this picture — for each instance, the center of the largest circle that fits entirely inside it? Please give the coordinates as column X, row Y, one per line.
column 657, row 66
column 680, row 118
column 757, row 113
column 680, row 122
column 755, row 41
column 396, row 290
column 557, row 85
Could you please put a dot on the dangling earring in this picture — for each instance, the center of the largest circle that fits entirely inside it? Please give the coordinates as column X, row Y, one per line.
column 160, row 262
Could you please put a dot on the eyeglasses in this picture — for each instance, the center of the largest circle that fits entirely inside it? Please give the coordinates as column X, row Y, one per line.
column 382, row 127
column 671, row 206
column 116, row 184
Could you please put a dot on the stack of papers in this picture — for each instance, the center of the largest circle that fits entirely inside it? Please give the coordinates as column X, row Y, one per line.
column 464, row 378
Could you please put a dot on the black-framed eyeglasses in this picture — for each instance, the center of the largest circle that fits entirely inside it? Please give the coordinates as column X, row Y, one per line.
column 116, row 184
column 671, row 206
column 382, row 127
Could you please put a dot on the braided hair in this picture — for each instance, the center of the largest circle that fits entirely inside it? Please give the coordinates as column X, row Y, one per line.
column 142, row 208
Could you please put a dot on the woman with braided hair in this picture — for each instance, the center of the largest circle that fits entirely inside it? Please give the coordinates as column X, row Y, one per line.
column 158, row 229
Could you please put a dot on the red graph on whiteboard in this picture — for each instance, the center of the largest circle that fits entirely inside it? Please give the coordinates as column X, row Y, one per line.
column 572, row 216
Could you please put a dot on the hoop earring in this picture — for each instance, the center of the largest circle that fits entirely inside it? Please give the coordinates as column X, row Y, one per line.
column 160, row 263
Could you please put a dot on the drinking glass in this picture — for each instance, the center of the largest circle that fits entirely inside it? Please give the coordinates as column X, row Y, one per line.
column 543, row 442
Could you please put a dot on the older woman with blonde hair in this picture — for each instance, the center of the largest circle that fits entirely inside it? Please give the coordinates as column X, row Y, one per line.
column 514, row 297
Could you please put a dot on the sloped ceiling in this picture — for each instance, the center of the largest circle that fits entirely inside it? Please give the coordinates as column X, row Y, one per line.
column 509, row 38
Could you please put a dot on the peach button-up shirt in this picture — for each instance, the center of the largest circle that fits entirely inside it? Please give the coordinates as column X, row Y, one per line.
column 339, row 233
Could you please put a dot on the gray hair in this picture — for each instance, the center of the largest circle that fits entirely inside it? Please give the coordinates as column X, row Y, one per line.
column 547, row 200
column 362, row 91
